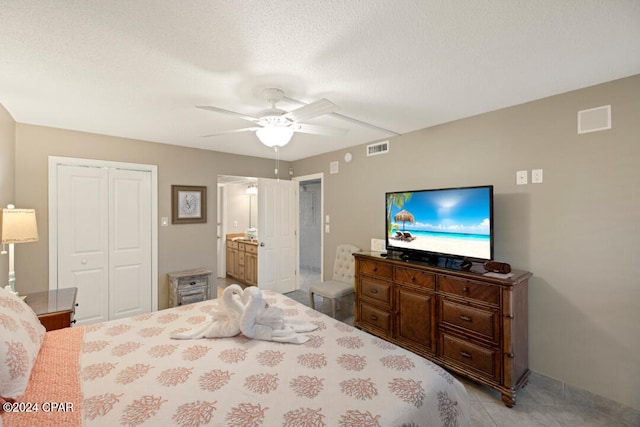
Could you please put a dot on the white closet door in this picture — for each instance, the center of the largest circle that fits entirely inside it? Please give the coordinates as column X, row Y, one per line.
column 83, row 239
column 104, row 240
column 129, row 243
column 277, row 235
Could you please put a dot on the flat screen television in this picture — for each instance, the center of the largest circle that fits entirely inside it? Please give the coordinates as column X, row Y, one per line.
column 450, row 222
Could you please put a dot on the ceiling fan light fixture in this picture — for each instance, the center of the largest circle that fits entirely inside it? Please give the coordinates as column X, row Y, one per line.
column 274, row 136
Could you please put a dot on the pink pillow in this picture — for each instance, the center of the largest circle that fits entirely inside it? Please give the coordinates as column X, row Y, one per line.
column 21, row 335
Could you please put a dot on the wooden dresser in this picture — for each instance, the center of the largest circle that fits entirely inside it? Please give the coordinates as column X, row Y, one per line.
column 470, row 323
column 242, row 261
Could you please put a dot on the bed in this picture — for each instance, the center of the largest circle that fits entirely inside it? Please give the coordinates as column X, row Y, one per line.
column 130, row 372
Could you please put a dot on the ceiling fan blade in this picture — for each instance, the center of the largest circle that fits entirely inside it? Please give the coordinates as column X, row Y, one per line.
column 223, row 111
column 233, row 131
column 310, row 111
column 319, row 130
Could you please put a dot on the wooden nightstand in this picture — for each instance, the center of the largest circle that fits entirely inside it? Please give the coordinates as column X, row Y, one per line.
column 186, row 287
column 55, row 309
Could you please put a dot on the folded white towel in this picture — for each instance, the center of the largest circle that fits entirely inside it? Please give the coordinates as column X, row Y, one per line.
column 225, row 319
column 261, row 321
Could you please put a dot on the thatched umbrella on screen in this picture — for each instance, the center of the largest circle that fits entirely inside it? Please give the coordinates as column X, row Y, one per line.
column 404, row 217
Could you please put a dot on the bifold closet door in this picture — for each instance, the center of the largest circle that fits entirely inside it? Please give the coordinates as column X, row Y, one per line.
column 129, row 243
column 104, row 240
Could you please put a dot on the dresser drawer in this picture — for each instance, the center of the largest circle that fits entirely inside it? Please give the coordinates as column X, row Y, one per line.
column 376, row 290
column 374, row 268
column 469, row 289
column 191, row 298
column 252, row 249
column 240, row 258
column 373, row 316
column 232, row 245
column 482, row 322
column 191, row 282
column 480, row 359
column 414, row 277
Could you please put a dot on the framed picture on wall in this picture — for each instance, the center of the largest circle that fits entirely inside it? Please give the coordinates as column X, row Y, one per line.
column 188, row 204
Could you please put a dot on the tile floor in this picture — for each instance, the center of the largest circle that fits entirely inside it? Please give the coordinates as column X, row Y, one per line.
column 544, row 402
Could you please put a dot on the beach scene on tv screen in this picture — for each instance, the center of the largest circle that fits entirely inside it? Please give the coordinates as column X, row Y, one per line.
column 456, row 222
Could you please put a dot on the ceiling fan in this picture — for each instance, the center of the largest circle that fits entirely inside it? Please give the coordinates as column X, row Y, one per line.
column 275, row 127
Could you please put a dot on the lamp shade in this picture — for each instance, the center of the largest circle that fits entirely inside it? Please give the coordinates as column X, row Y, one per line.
column 274, row 136
column 18, row 226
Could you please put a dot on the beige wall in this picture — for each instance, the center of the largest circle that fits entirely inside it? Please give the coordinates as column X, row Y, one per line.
column 7, row 154
column 578, row 232
column 180, row 247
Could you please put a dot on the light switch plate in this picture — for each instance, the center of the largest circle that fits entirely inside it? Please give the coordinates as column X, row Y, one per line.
column 521, row 177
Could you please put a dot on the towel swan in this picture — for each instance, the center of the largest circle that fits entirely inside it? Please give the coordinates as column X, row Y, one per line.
column 225, row 320
column 261, row 321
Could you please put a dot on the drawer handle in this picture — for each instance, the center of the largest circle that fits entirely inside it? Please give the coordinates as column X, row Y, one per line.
column 413, row 279
column 374, row 291
column 375, row 269
column 465, row 289
column 373, row 317
column 193, row 283
column 465, row 354
column 465, row 318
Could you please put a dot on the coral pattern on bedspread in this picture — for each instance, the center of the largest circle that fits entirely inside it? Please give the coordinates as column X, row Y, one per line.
column 133, row 374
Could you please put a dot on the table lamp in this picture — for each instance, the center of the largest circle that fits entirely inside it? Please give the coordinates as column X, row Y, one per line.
column 17, row 226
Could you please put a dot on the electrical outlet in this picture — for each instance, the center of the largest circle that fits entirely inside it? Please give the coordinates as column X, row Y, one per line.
column 521, row 177
column 536, row 176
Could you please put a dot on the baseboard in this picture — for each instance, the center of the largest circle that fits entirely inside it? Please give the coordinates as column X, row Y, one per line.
column 586, row 398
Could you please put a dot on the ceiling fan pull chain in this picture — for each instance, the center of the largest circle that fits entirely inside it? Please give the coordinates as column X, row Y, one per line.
column 277, row 164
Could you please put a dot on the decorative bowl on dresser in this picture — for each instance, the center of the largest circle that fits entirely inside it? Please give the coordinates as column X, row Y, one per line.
column 471, row 323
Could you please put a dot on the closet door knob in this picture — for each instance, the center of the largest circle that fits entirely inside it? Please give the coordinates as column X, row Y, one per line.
column 83, row 262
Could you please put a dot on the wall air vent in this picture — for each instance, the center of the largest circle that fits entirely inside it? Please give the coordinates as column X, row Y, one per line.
column 594, row 119
column 378, row 148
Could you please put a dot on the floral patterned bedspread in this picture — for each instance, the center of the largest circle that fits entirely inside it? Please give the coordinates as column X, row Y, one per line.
column 133, row 374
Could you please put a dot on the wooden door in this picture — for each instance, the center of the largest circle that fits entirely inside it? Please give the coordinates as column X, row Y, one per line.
column 83, row 239
column 129, row 243
column 277, row 250
column 251, row 268
column 415, row 318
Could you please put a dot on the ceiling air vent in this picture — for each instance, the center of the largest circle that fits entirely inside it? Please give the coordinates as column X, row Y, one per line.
column 378, row 148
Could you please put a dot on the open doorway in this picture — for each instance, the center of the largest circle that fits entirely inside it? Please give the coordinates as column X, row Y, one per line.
column 237, row 212
column 258, row 239
column 310, row 233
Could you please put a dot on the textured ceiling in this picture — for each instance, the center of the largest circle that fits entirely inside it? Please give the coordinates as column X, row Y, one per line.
column 137, row 69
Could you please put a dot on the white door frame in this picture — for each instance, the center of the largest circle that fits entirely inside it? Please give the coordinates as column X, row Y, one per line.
column 300, row 179
column 54, row 161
